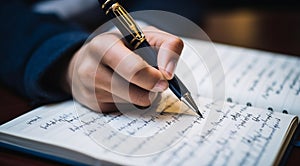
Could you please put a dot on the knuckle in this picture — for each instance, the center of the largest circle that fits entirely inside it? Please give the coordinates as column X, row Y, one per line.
column 85, row 76
column 141, row 99
column 176, row 43
column 83, row 71
column 93, row 45
column 147, row 78
column 136, row 68
column 154, row 80
column 96, row 45
column 85, row 95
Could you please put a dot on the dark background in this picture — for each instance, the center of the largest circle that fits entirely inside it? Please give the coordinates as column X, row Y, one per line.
column 268, row 25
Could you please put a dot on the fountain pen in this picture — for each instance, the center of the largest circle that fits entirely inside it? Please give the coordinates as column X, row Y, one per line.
column 136, row 41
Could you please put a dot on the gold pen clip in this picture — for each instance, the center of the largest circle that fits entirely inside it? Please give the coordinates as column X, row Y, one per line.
column 132, row 28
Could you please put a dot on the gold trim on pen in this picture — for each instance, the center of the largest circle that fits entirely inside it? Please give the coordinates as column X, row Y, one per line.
column 124, row 18
column 105, row 3
column 128, row 22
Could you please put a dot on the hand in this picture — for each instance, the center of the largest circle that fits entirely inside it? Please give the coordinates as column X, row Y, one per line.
column 104, row 71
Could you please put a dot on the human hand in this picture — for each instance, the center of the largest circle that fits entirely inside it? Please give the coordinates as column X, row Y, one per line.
column 105, row 72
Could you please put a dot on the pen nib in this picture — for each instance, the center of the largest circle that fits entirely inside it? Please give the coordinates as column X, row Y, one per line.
column 188, row 100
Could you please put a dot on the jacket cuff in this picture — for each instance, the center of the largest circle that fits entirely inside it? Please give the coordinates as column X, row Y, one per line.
column 45, row 67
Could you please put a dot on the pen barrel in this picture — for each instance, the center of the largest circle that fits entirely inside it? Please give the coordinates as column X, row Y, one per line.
column 177, row 87
column 148, row 53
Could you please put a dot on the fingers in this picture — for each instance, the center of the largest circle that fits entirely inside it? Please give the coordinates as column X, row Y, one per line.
column 106, row 85
column 101, row 100
column 130, row 65
column 170, row 48
column 108, row 72
column 116, row 89
column 107, row 97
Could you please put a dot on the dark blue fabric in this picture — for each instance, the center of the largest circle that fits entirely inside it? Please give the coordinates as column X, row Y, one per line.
column 35, row 48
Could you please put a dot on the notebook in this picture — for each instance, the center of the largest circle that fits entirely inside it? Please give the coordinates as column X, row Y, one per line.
column 250, row 114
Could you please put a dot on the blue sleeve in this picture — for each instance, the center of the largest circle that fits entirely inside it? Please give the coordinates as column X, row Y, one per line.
column 35, row 49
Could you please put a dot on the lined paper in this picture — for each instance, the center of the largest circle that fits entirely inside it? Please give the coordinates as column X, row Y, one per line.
column 258, row 78
column 239, row 135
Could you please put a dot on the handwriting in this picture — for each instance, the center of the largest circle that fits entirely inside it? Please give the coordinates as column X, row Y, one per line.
column 240, row 136
column 259, row 77
column 60, row 119
column 33, row 120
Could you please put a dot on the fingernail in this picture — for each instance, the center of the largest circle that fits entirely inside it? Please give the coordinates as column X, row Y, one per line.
column 171, row 68
column 160, row 86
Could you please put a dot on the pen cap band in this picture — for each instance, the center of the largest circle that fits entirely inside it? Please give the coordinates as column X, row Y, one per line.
column 106, row 4
column 124, row 22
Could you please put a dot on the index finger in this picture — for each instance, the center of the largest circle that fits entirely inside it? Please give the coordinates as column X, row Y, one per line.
column 169, row 49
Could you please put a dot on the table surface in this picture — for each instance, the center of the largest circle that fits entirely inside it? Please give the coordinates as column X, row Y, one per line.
column 275, row 30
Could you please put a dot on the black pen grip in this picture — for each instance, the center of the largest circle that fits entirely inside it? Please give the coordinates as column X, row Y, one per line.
column 149, row 54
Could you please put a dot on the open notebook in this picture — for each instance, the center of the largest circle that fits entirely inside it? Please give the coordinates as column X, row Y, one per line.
column 253, row 126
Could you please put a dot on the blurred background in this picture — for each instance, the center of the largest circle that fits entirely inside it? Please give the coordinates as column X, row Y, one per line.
column 265, row 24
column 272, row 25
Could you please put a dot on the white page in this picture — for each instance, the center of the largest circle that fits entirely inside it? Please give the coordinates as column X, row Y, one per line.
column 262, row 79
column 238, row 135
